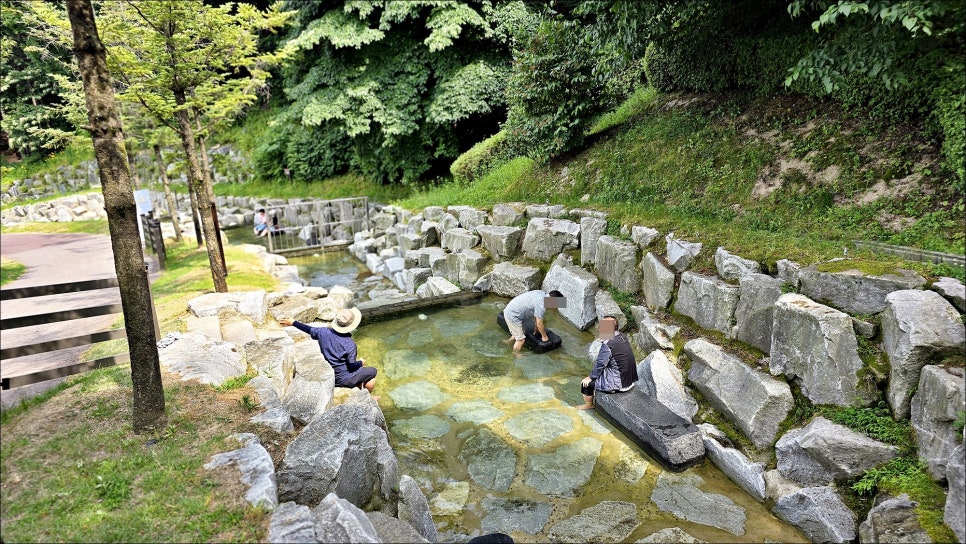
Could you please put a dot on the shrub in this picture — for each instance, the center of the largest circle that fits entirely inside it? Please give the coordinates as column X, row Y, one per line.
column 553, row 94
column 950, row 102
column 477, row 160
column 657, row 67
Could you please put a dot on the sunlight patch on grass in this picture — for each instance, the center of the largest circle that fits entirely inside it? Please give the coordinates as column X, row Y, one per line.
column 10, row 270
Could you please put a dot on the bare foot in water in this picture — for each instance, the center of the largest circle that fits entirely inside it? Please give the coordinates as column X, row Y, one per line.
column 376, row 398
column 584, row 407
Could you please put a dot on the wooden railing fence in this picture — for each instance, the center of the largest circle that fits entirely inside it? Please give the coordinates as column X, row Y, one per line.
column 59, row 316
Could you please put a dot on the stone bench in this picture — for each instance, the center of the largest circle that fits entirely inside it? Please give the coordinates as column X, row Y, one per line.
column 672, row 440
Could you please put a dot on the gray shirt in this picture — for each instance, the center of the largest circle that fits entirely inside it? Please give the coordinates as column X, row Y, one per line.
column 529, row 304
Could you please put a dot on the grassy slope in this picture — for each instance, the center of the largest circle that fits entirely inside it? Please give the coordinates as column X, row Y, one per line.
column 689, row 165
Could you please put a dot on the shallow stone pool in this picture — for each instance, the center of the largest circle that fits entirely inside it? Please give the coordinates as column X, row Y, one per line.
column 496, row 445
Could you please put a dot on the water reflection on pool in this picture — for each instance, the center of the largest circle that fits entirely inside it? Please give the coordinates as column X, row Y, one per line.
column 496, row 445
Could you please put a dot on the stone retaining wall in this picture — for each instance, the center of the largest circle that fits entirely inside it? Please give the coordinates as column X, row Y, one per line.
column 810, row 339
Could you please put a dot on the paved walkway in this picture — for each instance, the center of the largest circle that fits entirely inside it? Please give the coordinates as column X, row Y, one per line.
column 54, row 258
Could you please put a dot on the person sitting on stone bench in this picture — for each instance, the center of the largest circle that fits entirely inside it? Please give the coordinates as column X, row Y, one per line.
column 615, row 368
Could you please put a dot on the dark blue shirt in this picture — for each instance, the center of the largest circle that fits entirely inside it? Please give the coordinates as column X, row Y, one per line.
column 337, row 348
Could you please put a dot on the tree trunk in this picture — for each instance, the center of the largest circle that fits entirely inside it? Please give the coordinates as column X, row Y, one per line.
column 195, row 217
column 197, row 181
column 172, row 207
column 206, row 168
column 135, row 176
column 211, row 190
column 108, row 139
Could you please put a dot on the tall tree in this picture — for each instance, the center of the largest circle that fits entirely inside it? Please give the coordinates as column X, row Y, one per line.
column 108, row 139
column 178, row 57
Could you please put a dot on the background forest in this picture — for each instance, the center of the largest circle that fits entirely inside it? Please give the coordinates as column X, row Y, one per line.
column 692, row 107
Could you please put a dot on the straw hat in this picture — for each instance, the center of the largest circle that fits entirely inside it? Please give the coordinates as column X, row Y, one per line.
column 347, row 320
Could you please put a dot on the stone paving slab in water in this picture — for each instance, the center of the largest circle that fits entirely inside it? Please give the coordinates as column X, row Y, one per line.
column 679, row 495
column 506, row 515
column 421, row 427
column 562, row 471
column 417, row 396
column 538, row 427
column 489, row 460
column 478, row 412
column 531, row 392
column 403, row 363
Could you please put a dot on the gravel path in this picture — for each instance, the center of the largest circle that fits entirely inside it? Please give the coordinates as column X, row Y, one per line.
column 50, row 259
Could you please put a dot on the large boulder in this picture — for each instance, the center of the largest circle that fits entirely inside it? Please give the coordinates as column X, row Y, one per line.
column 952, row 290
column 390, row 529
column 815, row 344
column 657, row 282
column 918, row 328
column 616, row 263
column 819, row 513
column 310, row 391
column 757, row 294
column 658, row 377
column 503, row 243
column 196, row 357
column 436, row 286
column 893, row 519
column 674, row 441
column 508, row 215
column 471, row 218
column 414, row 509
column 651, row 333
column 938, row 401
column 343, row 451
column 591, row 229
column 736, row 465
column 579, row 288
column 710, row 302
column 732, row 267
column 853, row 291
column 643, row 236
column 754, row 401
column 510, row 280
column 252, row 304
column 607, row 306
column 339, row 520
column 256, row 469
column 954, row 513
column 547, row 238
column 291, row 523
column 823, row 451
column 680, row 253
column 553, row 211
column 459, row 239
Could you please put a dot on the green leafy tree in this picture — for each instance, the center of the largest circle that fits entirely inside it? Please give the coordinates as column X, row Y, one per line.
column 34, row 83
column 407, row 84
column 177, row 59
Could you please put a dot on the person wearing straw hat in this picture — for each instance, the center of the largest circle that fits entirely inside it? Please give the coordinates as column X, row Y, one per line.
column 339, row 349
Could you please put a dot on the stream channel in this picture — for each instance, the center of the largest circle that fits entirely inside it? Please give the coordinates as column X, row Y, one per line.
column 496, row 445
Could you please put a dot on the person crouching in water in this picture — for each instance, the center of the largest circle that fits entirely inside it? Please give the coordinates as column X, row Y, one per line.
column 532, row 304
column 340, row 350
column 615, row 368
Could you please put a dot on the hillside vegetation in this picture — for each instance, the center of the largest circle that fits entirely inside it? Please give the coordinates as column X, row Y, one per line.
column 766, row 178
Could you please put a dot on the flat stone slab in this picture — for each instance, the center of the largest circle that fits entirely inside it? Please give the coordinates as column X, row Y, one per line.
column 403, row 363
column 672, row 440
column 538, row 427
column 489, row 460
column 532, row 392
column 679, row 495
column 417, row 396
column 506, row 515
column 562, row 471
column 476, row 411
column 421, row 427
